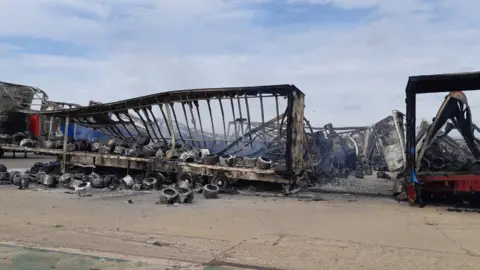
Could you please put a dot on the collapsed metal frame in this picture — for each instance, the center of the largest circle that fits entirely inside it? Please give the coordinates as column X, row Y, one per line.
column 21, row 97
column 115, row 118
column 424, row 85
column 30, row 100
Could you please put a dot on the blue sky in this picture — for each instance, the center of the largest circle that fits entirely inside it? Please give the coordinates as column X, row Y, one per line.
column 344, row 54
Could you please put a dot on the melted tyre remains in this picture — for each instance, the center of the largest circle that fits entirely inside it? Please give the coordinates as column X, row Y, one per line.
column 210, row 191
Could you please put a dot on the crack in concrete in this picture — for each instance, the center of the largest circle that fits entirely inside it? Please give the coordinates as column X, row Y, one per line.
column 469, row 252
column 383, row 245
column 436, row 226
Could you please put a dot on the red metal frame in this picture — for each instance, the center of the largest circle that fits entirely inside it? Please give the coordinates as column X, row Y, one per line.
column 459, row 182
column 34, row 124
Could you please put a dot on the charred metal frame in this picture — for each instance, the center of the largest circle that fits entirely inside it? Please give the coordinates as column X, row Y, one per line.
column 424, row 85
column 97, row 116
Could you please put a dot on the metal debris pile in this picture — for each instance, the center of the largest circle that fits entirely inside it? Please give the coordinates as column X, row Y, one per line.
column 362, row 151
column 437, row 150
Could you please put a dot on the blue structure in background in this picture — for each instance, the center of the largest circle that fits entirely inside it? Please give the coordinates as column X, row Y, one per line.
column 83, row 133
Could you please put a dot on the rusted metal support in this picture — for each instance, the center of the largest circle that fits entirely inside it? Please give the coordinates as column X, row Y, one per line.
column 160, row 106
column 172, row 132
column 282, row 122
column 50, row 127
column 278, row 112
column 111, row 125
column 241, row 117
column 200, row 121
column 137, row 111
column 150, row 123
column 249, row 120
column 176, row 122
column 65, row 143
column 263, row 118
column 156, row 123
column 289, row 116
column 188, row 125
column 213, row 125
column 123, row 124
column 223, row 122
column 133, row 122
column 296, row 133
column 234, row 117
column 192, row 115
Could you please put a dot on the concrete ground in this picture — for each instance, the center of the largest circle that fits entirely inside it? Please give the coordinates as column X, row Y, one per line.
column 233, row 232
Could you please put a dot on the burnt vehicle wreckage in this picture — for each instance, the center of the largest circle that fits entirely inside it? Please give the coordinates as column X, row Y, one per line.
column 149, row 141
column 437, row 164
column 18, row 125
column 208, row 139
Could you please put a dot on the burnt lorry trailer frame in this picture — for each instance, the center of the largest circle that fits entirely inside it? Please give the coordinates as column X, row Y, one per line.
column 19, row 105
column 159, row 117
column 454, row 109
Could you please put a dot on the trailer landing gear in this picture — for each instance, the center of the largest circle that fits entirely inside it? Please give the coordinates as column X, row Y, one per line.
column 415, row 195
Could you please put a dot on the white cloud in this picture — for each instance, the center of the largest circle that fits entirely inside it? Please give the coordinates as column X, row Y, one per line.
column 352, row 74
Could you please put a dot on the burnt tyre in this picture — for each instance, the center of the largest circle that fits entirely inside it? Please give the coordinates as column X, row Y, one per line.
column 96, row 146
column 137, row 187
column 249, row 161
column 3, row 168
column 264, row 163
column 211, row 159
column 110, row 179
column 5, row 176
column 185, row 180
column 71, row 147
column 84, row 189
column 120, row 150
column 148, row 151
column 160, row 153
column 17, row 179
column 149, row 183
column 49, row 144
column 127, row 181
column 25, row 181
column 142, row 139
column 226, row 160
column 74, row 183
column 185, row 195
column 27, row 143
column 220, row 180
column 114, row 184
column 168, row 196
column 18, row 137
column 105, row 149
column 210, row 191
column 39, row 177
column 159, row 177
column 64, row 179
column 96, row 181
column 49, row 181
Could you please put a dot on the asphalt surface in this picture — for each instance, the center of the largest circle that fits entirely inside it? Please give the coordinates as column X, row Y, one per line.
column 335, row 229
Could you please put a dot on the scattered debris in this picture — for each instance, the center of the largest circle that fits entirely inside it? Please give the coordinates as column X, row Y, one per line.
column 161, row 244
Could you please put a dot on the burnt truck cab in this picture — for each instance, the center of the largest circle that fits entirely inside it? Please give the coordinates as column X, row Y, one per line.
column 454, row 109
